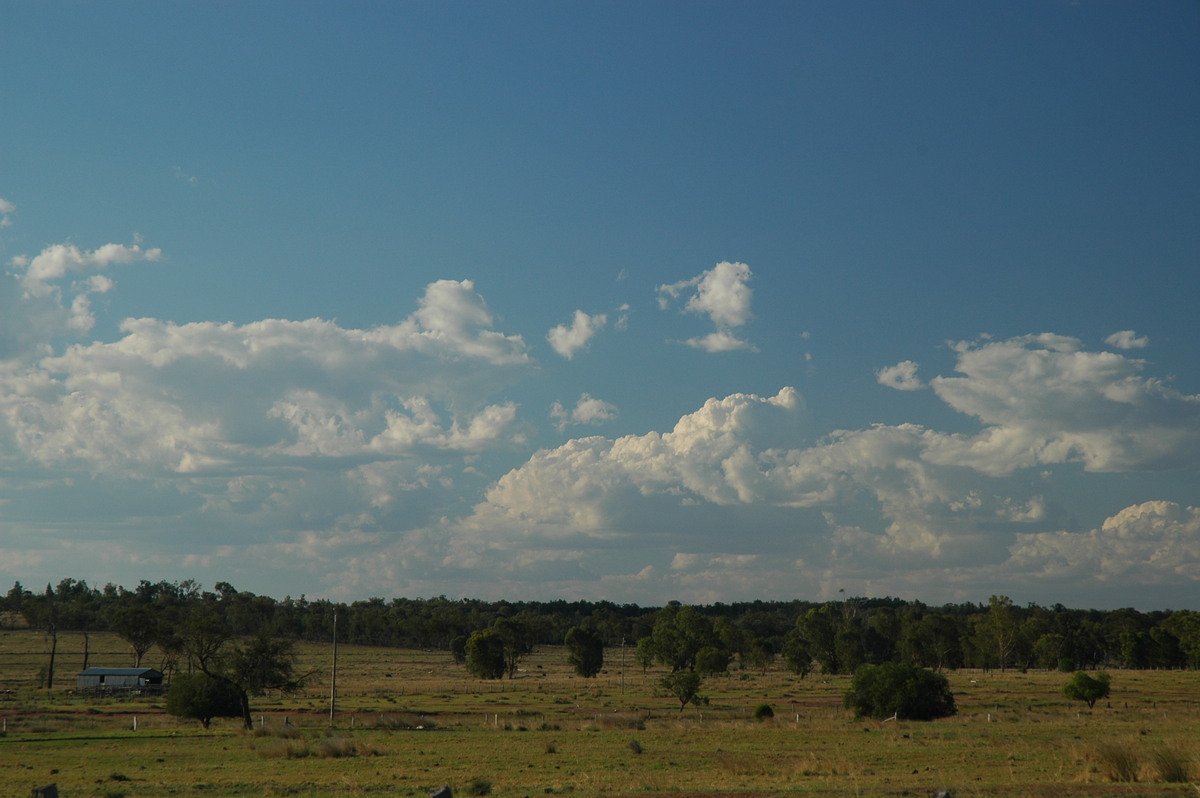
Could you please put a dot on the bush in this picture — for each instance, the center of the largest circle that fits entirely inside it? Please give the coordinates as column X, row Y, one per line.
column 199, row 696
column 763, row 711
column 901, row 690
column 1085, row 688
column 485, row 655
column 479, row 787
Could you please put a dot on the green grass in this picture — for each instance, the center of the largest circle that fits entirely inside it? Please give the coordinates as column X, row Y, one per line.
column 410, row 721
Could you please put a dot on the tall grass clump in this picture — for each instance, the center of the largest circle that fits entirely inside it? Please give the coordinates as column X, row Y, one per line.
column 284, row 732
column 282, row 749
column 1117, row 761
column 336, row 748
column 1171, row 765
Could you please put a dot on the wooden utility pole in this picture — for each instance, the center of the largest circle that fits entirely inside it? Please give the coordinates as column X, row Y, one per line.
column 333, row 680
column 622, row 665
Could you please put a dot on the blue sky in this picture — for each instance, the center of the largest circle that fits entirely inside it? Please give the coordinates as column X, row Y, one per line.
column 699, row 301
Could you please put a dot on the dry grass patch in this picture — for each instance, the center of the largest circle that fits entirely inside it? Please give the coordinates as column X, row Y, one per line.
column 1171, row 765
column 1116, row 761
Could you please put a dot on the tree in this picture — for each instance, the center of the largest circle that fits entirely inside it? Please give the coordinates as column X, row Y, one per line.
column 265, row 663
column 44, row 613
column 262, row 664
column 585, row 651
column 1086, row 688
column 201, row 697
column 138, row 627
column 819, row 629
column 901, row 690
column 760, row 655
column 458, row 649
column 797, row 654
column 518, row 635
column 684, row 685
column 1047, row 651
column 485, row 654
column 1185, row 626
column 643, row 653
column 711, row 660
column 678, row 635
column 932, row 640
column 996, row 632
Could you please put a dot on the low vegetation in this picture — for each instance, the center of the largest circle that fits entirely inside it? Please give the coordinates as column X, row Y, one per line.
column 593, row 699
column 408, row 721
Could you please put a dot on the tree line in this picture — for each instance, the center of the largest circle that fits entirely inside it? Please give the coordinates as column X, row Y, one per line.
column 490, row 637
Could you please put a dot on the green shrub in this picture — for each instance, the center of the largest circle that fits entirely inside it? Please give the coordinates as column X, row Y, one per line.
column 479, row 787
column 199, row 696
column 1086, row 688
column 901, row 690
column 763, row 711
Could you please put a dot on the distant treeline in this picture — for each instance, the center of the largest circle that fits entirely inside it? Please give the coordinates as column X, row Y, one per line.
column 835, row 636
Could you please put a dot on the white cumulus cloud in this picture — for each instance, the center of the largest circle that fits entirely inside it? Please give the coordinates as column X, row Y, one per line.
column 59, row 260
column 902, row 376
column 175, row 397
column 721, row 293
column 1148, row 543
column 1127, row 339
column 566, row 341
column 37, row 304
column 587, row 410
column 1042, row 399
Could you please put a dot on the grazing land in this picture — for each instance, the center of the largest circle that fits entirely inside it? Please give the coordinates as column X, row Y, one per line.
column 410, row 721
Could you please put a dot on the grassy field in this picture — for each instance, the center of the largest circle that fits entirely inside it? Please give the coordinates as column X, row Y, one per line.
column 410, row 721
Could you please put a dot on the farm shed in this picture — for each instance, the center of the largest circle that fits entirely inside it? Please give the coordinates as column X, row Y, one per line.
column 111, row 679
